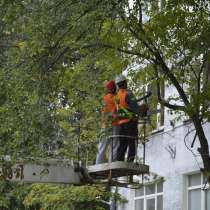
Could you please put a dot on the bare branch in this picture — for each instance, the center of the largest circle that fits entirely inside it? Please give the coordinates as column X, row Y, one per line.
column 193, row 71
column 161, row 100
column 159, row 60
column 206, row 64
column 63, row 52
column 140, row 12
column 9, row 46
column 172, row 106
column 171, row 76
column 161, row 63
column 140, row 38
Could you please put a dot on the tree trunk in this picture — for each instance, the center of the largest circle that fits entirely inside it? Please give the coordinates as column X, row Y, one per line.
column 162, row 4
column 204, row 147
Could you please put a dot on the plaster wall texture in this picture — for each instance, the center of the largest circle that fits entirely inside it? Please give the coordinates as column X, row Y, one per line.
column 173, row 169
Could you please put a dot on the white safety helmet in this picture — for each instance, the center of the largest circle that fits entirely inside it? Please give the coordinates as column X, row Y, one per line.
column 120, row 78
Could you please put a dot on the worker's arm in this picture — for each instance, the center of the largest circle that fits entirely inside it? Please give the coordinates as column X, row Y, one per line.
column 132, row 103
column 140, row 110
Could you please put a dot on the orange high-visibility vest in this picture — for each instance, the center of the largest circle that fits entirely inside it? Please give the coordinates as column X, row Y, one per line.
column 110, row 105
column 121, row 103
column 109, row 101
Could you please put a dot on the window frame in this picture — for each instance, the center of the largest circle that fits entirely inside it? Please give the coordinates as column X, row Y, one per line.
column 150, row 196
column 196, row 187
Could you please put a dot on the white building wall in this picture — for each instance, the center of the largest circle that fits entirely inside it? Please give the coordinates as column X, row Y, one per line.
column 173, row 169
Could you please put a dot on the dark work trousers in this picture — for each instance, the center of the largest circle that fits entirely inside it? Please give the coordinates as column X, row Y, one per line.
column 128, row 134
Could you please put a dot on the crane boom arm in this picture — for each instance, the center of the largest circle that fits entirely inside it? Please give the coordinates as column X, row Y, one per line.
column 69, row 172
column 50, row 171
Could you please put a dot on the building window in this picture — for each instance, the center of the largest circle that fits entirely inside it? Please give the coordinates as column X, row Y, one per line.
column 149, row 197
column 197, row 197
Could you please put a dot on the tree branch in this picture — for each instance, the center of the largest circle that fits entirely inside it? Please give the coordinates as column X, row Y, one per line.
column 159, row 60
column 9, row 45
column 171, row 76
column 102, row 45
column 140, row 12
column 162, row 101
column 193, row 71
column 207, row 69
column 63, row 52
column 172, row 106
column 140, row 38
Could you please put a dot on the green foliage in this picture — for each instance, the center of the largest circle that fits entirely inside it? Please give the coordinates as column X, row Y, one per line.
column 12, row 195
column 51, row 92
column 69, row 198
column 39, row 56
column 56, row 55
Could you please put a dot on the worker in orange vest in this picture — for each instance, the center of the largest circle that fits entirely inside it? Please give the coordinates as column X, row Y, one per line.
column 108, row 124
column 128, row 111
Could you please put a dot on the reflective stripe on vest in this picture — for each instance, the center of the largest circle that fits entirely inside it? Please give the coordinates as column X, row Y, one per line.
column 122, row 107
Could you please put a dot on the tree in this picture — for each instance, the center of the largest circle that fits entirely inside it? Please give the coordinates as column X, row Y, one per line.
column 45, row 105
column 12, row 195
column 54, row 42
column 69, row 198
column 170, row 43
